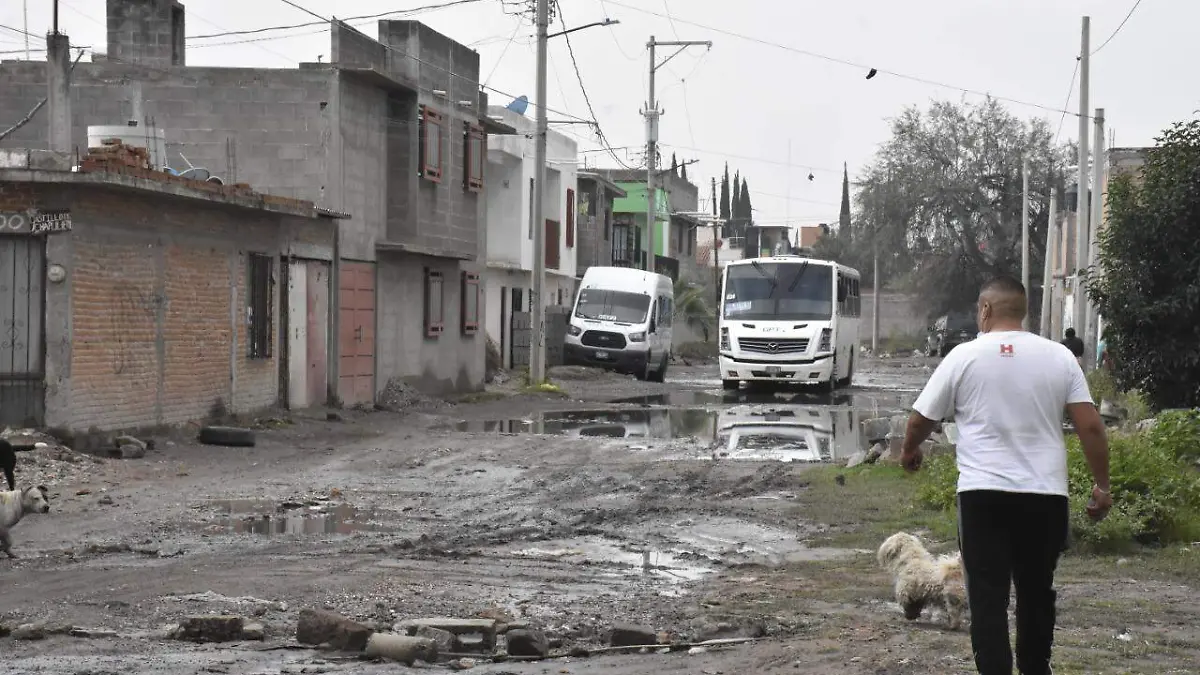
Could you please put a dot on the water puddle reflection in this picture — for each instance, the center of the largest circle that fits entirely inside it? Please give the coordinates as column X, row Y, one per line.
column 264, row 517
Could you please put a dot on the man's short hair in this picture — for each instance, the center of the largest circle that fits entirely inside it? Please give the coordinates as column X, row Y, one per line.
column 1005, row 285
column 1070, row 332
column 1009, row 296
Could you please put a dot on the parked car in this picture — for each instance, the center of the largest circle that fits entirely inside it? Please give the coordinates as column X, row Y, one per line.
column 950, row 331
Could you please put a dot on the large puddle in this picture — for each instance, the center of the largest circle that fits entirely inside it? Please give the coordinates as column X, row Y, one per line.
column 791, row 426
column 254, row 516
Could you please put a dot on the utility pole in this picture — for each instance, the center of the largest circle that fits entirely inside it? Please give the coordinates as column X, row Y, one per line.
column 1025, row 235
column 1048, row 271
column 652, row 114
column 537, row 351
column 1091, row 335
column 1078, row 303
column 25, row 8
column 716, row 258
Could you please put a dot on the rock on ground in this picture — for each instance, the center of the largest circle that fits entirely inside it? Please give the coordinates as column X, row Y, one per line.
column 446, row 641
column 209, row 629
column 632, row 636
column 322, row 627
column 526, row 642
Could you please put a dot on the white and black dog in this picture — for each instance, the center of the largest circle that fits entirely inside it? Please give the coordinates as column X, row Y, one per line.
column 14, row 505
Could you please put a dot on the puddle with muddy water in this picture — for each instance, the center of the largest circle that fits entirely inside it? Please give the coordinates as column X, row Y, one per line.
column 791, row 426
column 613, row 558
column 265, row 517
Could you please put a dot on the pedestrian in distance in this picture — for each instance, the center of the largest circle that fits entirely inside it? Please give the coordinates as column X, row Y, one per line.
column 1007, row 391
column 1075, row 344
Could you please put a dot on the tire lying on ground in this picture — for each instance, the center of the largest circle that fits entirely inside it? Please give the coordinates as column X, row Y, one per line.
column 232, row 436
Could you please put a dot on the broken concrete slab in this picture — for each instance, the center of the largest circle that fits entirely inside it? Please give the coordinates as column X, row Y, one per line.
column 255, row 630
column 526, row 642
column 402, row 648
column 40, row 630
column 631, row 636
column 446, row 641
column 487, row 628
column 213, row 628
column 323, row 627
column 856, row 459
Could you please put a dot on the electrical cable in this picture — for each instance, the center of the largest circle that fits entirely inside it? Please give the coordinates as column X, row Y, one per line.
column 587, row 99
column 309, row 24
column 1070, row 92
column 1119, row 27
column 844, row 62
column 303, row 9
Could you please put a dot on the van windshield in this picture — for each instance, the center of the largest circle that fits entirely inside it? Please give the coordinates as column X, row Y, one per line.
column 607, row 305
column 779, row 292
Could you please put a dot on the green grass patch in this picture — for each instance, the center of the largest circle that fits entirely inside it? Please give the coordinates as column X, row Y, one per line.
column 875, row 502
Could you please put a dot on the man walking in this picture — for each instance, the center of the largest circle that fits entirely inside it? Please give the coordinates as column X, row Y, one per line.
column 1074, row 343
column 1006, row 391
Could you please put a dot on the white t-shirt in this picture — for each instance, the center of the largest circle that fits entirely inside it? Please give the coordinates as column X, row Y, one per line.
column 1006, row 392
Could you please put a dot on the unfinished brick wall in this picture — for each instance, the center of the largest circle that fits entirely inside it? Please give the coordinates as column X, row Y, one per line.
column 157, row 302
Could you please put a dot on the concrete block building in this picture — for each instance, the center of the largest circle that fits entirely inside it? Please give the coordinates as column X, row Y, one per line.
column 390, row 131
column 510, row 227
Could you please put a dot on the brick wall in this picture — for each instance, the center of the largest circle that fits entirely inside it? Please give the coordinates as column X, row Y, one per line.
column 155, row 318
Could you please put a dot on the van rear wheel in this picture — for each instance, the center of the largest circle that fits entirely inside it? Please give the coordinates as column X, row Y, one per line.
column 659, row 375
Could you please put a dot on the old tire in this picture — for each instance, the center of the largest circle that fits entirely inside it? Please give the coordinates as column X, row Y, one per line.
column 231, row 436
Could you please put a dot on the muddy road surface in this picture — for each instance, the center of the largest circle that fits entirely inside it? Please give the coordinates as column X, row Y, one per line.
column 676, row 508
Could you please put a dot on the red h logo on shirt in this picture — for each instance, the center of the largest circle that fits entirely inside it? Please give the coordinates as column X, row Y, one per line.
column 1006, row 350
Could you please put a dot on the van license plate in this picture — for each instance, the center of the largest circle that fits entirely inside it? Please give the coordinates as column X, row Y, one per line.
column 773, row 370
column 602, row 355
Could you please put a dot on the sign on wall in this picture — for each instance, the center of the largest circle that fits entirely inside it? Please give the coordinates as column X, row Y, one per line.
column 35, row 222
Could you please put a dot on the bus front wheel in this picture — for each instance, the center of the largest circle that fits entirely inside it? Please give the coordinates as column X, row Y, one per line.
column 730, row 385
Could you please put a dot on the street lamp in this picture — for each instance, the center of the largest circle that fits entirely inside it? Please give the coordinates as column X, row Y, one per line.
column 537, row 345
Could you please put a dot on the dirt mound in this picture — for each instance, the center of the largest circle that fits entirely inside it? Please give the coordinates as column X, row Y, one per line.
column 399, row 395
column 44, row 460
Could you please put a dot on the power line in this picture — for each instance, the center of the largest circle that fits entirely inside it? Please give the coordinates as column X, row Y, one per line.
column 289, row 3
column 503, row 52
column 844, row 62
column 612, row 33
column 309, row 24
column 583, row 88
column 1119, row 27
column 1070, row 91
column 751, row 158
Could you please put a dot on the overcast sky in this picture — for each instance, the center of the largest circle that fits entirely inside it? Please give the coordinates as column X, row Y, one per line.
column 766, row 85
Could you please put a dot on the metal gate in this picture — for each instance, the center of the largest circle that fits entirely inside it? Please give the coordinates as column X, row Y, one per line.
column 22, row 347
column 521, row 335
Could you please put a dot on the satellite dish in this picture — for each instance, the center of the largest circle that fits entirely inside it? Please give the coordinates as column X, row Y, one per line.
column 519, row 104
column 197, row 173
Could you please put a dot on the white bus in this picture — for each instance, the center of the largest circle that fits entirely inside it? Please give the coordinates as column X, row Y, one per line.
column 788, row 319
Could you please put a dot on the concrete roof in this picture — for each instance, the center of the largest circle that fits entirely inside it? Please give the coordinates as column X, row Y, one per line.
column 603, row 181
column 44, row 167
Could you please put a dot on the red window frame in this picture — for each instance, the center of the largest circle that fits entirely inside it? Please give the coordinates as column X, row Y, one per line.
column 470, row 288
column 431, row 132
column 570, row 218
column 435, row 297
column 475, row 146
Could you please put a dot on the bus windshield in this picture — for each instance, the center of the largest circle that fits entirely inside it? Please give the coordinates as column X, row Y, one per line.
column 607, row 305
column 779, row 292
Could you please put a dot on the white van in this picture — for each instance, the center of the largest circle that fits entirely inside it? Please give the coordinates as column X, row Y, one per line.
column 788, row 319
column 622, row 321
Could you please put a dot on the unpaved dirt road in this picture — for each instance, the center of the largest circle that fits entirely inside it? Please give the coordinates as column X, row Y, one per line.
column 622, row 503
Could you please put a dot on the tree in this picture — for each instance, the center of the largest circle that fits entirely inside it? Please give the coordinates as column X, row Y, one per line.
column 844, row 217
column 747, row 211
column 674, row 166
column 941, row 199
column 683, row 171
column 737, row 227
column 1147, row 286
column 692, row 308
column 725, row 216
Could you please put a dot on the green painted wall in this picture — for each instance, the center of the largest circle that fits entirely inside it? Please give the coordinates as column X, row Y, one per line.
column 635, row 203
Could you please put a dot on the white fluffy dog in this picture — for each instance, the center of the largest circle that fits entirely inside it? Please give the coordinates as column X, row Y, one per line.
column 921, row 579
